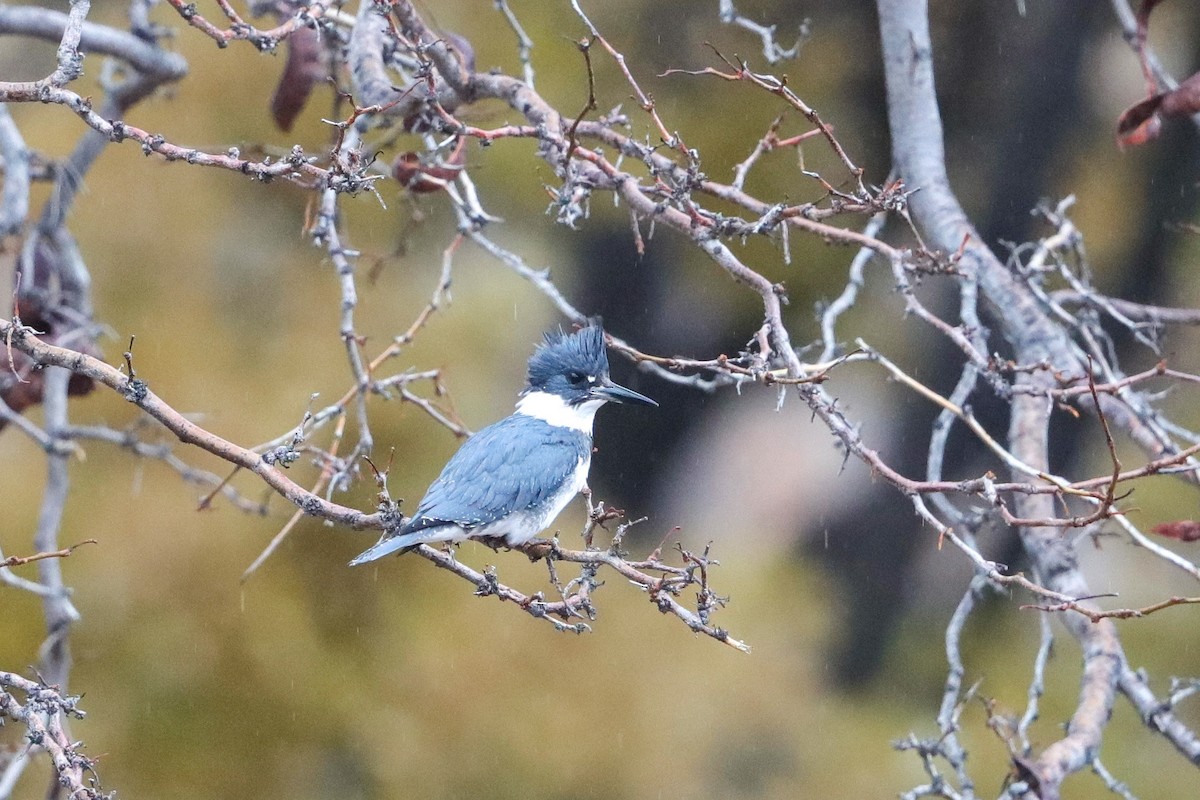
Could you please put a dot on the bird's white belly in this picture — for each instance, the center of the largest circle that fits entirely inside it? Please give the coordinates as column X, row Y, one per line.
column 520, row 527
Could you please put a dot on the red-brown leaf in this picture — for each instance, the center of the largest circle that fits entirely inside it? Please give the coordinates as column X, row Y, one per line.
column 21, row 384
column 1140, row 122
column 408, row 169
column 424, row 178
column 1185, row 530
column 1184, row 100
column 305, row 68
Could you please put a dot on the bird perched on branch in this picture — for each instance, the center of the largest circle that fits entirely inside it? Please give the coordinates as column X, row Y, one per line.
column 508, row 482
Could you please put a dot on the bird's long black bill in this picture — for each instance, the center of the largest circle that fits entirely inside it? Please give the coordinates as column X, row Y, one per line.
column 619, row 394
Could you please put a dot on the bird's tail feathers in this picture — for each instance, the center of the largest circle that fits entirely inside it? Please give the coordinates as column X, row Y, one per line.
column 386, row 546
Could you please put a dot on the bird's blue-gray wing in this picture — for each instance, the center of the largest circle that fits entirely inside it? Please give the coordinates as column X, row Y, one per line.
column 513, row 465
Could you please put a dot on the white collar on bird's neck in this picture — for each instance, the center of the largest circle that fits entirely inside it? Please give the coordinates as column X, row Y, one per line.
column 553, row 410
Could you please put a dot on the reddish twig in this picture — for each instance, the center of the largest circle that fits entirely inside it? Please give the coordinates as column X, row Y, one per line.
column 14, row 561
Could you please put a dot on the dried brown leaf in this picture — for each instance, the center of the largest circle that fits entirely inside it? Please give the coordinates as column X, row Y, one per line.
column 423, row 178
column 305, row 68
column 1184, row 100
column 1185, row 530
column 1142, row 122
column 1139, row 123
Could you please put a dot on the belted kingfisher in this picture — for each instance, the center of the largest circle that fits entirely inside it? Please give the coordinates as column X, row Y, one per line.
column 510, row 480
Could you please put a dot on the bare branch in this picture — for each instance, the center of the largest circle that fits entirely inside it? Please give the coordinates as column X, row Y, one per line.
column 42, row 713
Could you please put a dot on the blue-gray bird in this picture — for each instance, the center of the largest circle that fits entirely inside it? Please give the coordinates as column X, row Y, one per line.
column 508, row 482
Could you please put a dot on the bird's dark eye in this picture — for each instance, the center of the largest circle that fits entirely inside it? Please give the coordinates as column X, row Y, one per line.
column 576, row 378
